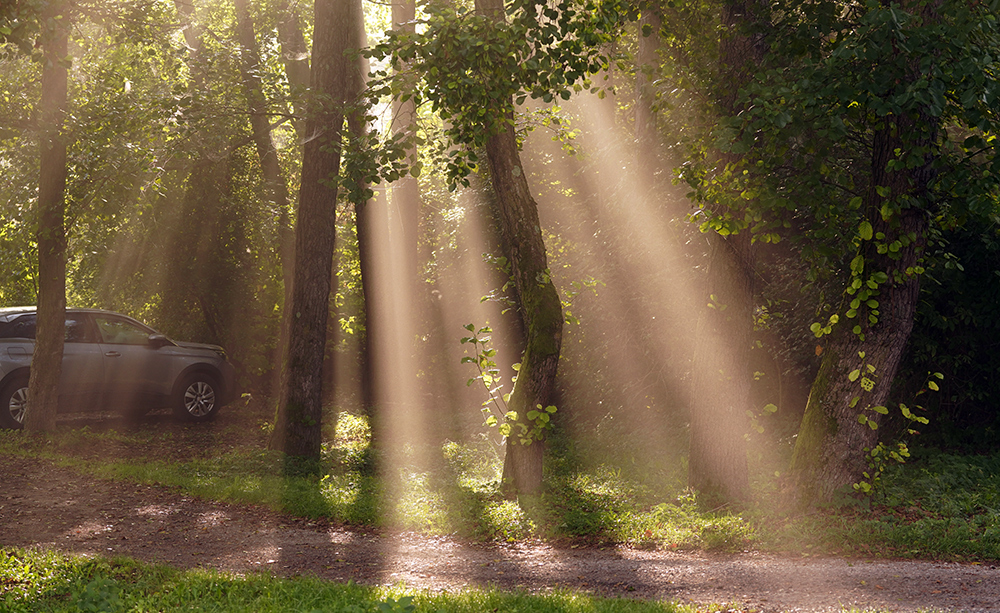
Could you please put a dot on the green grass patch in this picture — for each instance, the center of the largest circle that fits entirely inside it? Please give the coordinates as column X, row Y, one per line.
column 936, row 506
column 38, row 581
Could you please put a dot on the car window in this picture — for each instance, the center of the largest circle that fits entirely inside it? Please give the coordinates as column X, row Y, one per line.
column 22, row 327
column 78, row 329
column 116, row 331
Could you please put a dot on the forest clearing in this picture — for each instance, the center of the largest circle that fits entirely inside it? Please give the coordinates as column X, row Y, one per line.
column 699, row 283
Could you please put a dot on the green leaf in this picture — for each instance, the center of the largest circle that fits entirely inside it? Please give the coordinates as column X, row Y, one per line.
column 854, row 374
column 865, row 231
column 933, row 386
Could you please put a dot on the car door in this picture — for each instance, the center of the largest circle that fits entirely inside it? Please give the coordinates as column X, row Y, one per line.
column 82, row 378
column 133, row 367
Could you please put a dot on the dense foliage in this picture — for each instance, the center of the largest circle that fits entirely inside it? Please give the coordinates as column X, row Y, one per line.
column 170, row 218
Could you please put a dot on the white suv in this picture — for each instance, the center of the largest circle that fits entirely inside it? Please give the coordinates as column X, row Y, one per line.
column 114, row 363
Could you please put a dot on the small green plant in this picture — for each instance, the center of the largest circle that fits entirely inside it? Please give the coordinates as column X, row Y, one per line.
column 403, row 605
column 880, row 456
column 495, row 409
column 100, row 594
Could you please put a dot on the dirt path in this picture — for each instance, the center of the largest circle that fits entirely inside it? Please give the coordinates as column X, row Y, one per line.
column 41, row 505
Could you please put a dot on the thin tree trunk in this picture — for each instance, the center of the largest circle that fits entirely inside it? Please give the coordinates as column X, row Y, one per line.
column 540, row 307
column 46, row 364
column 406, row 191
column 370, row 216
column 646, row 138
column 298, row 426
column 275, row 185
column 295, row 55
column 720, row 393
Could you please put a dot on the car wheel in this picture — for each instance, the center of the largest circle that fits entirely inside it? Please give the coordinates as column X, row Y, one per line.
column 197, row 397
column 13, row 402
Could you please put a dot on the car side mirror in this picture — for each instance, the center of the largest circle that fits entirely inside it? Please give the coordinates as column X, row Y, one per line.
column 158, row 340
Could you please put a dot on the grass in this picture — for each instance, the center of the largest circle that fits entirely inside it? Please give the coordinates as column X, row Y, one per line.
column 938, row 506
column 47, row 582
column 37, row 581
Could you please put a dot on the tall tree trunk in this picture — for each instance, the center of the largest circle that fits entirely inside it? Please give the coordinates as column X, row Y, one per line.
column 720, row 378
column 829, row 453
column 646, row 138
column 387, row 242
column 720, row 393
column 46, row 364
column 406, row 191
column 830, row 450
column 372, row 223
column 276, row 188
column 540, row 307
column 295, row 56
column 298, row 426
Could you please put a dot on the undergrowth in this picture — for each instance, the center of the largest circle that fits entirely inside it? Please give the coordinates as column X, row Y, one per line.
column 936, row 506
column 37, row 581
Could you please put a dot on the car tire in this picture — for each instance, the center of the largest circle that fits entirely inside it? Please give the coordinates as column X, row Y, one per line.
column 13, row 401
column 198, row 397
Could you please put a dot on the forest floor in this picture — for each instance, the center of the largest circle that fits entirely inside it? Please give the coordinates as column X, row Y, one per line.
column 43, row 505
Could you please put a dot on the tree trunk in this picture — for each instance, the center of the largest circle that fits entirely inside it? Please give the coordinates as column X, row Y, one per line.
column 720, row 394
column 295, row 55
column 276, row 188
column 829, row 455
column 540, row 307
column 46, row 364
column 720, row 377
column 406, row 191
column 369, row 217
column 648, row 61
column 298, row 426
column 831, row 449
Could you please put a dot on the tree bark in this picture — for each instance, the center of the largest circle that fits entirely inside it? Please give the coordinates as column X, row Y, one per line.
column 721, row 367
column 829, row 455
column 275, row 185
column 46, row 364
column 295, row 55
column 646, row 138
column 298, row 426
column 406, row 191
column 540, row 307
column 830, row 450
column 720, row 394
